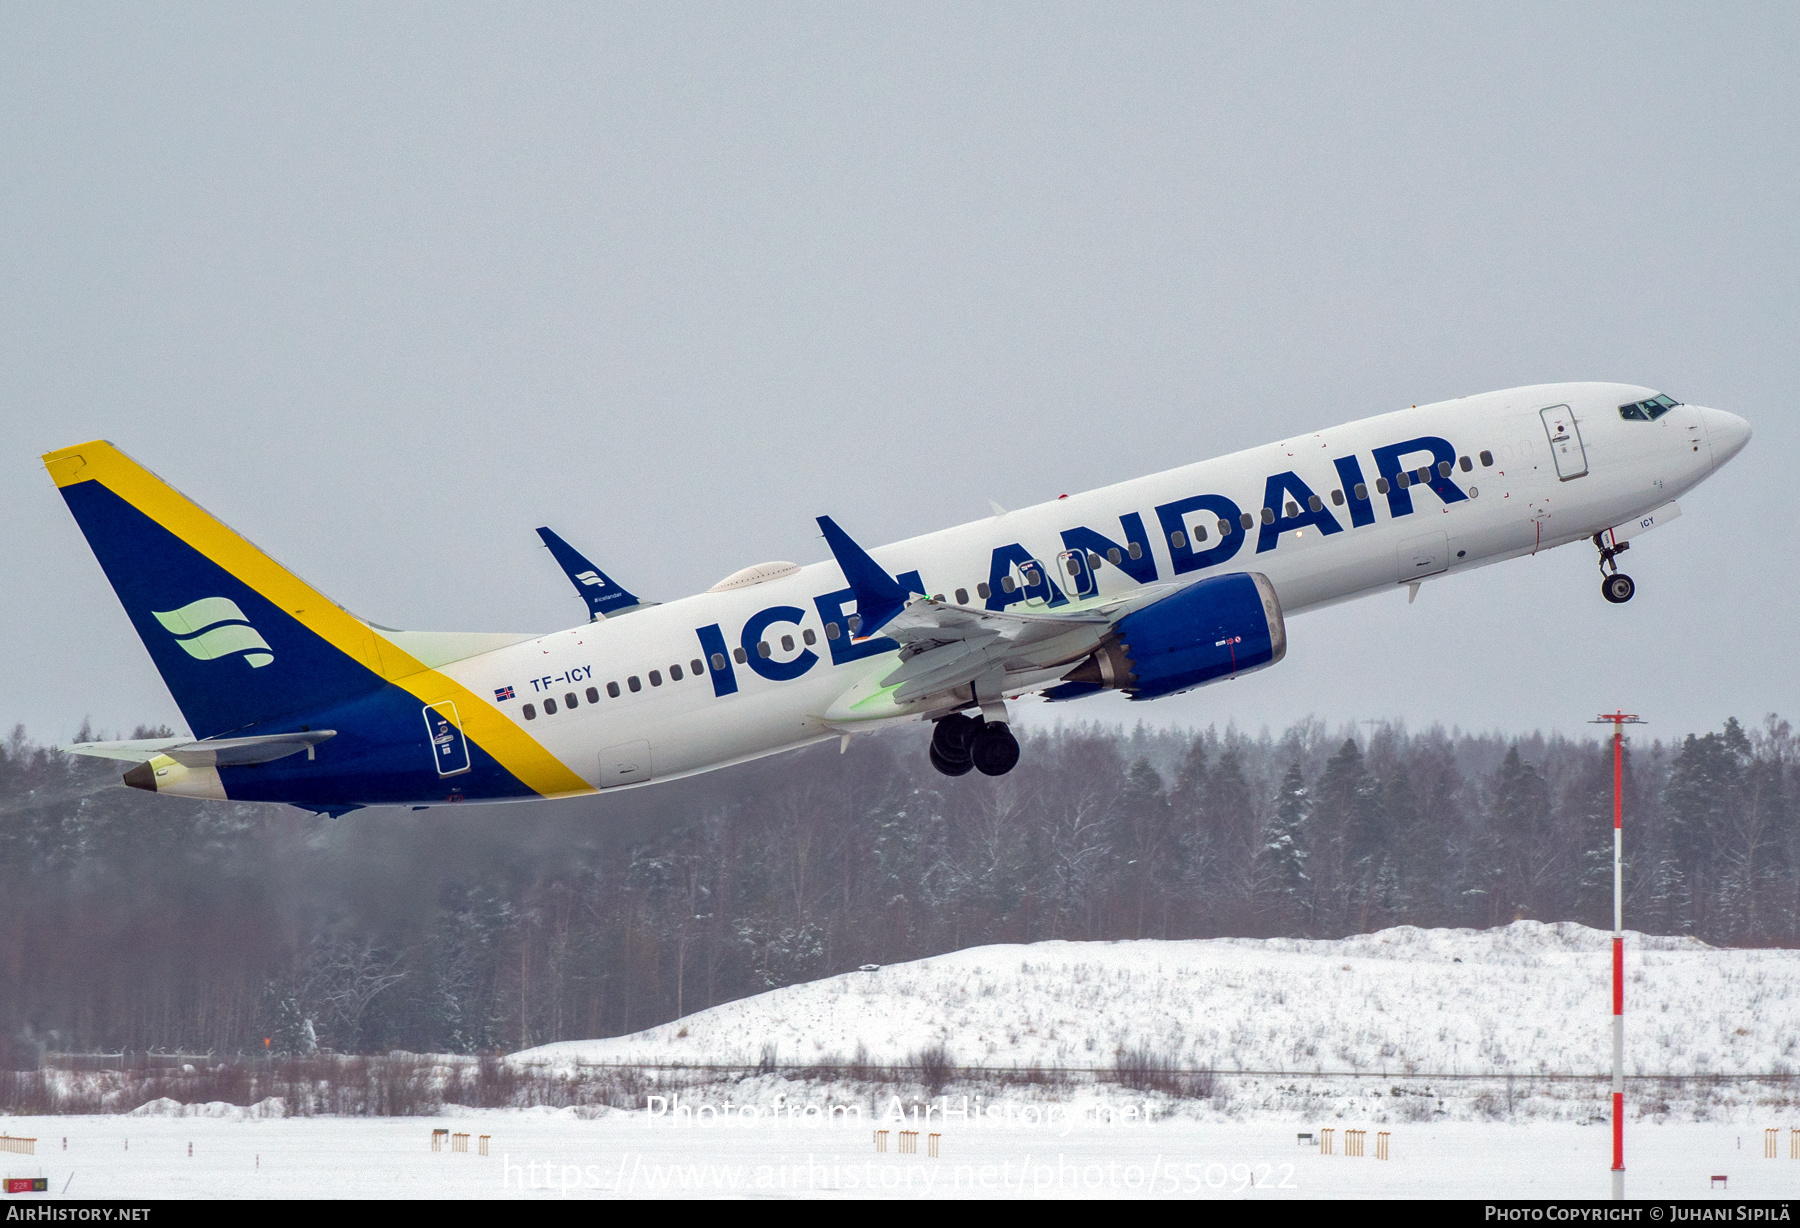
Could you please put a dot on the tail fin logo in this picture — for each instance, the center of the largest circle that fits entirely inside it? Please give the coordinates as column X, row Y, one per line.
column 590, row 578
column 214, row 627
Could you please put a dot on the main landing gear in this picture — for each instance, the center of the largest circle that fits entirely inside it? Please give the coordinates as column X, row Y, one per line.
column 961, row 742
column 1616, row 587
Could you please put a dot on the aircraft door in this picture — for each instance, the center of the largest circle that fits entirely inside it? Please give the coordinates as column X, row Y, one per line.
column 625, row 764
column 449, row 749
column 1565, row 442
column 1076, row 576
column 1029, row 578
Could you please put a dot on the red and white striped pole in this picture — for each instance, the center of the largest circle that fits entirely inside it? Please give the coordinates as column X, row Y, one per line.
column 1618, row 720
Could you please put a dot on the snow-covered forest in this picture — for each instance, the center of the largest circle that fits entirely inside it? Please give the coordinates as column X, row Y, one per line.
column 130, row 921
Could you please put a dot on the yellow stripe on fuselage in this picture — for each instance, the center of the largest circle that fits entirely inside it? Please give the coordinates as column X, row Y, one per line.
column 514, row 749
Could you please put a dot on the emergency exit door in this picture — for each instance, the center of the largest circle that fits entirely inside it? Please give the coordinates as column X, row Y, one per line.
column 1565, row 442
column 449, row 749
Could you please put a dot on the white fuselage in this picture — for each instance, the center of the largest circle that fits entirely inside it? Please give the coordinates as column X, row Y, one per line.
column 1517, row 503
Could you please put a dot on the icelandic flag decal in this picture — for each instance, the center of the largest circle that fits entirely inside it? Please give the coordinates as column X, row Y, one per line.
column 501, row 693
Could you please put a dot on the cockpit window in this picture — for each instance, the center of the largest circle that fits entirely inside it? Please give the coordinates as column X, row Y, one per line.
column 1647, row 411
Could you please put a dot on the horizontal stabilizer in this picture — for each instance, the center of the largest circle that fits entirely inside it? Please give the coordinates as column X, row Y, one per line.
column 604, row 597
column 209, row 752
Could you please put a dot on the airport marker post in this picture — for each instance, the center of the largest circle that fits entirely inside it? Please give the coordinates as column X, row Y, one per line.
column 1618, row 720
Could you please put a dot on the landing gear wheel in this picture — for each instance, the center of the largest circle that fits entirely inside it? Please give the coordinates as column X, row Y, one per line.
column 1617, row 588
column 949, row 767
column 994, row 750
column 952, row 736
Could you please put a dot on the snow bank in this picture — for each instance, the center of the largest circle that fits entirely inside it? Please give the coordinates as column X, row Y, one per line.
column 273, row 1106
column 1529, row 998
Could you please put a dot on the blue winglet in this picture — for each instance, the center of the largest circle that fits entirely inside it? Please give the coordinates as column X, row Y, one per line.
column 878, row 595
column 603, row 597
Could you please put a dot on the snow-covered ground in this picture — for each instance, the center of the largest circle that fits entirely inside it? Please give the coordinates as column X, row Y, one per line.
column 1361, row 1033
column 543, row 1153
column 1526, row 999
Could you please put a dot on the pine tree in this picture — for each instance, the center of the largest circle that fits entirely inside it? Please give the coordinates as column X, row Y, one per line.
column 1285, row 853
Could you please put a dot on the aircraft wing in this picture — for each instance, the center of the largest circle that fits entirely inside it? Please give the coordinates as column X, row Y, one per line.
column 944, row 647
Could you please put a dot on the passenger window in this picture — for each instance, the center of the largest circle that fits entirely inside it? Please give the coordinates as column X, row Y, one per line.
column 1008, row 584
column 737, row 654
column 655, row 677
column 1361, row 492
column 674, row 673
column 808, row 637
column 1248, row 521
column 983, row 591
column 698, row 668
column 1293, row 509
column 634, row 684
column 612, row 689
column 1224, row 528
column 1134, row 550
column 1095, row 562
column 787, row 643
column 718, row 659
column 1268, row 515
column 529, row 712
column 1337, row 498
column 1443, row 469
column 1178, row 539
column 1381, row 486
column 569, row 700
column 1114, row 556
column 1403, row 480
column 962, row 596
column 1315, row 503
column 1033, row 578
column 763, row 649
column 939, row 599
column 593, row 695
column 1487, row 459
column 549, row 707
column 1465, row 464
column 1199, row 532
column 831, row 631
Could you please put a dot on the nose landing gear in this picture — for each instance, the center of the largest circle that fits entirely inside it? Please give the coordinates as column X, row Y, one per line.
column 1616, row 587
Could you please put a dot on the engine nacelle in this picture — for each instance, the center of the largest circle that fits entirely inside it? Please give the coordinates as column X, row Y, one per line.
column 1216, row 628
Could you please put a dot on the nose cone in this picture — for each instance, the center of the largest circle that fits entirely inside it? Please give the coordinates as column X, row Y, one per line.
column 1727, row 433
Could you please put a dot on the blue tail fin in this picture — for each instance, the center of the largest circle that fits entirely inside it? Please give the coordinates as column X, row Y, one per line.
column 241, row 641
column 604, row 598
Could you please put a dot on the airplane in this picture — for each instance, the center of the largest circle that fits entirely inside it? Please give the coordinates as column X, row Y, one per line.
column 1149, row 587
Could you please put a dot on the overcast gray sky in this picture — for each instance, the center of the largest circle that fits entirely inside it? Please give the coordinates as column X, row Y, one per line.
column 387, row 286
